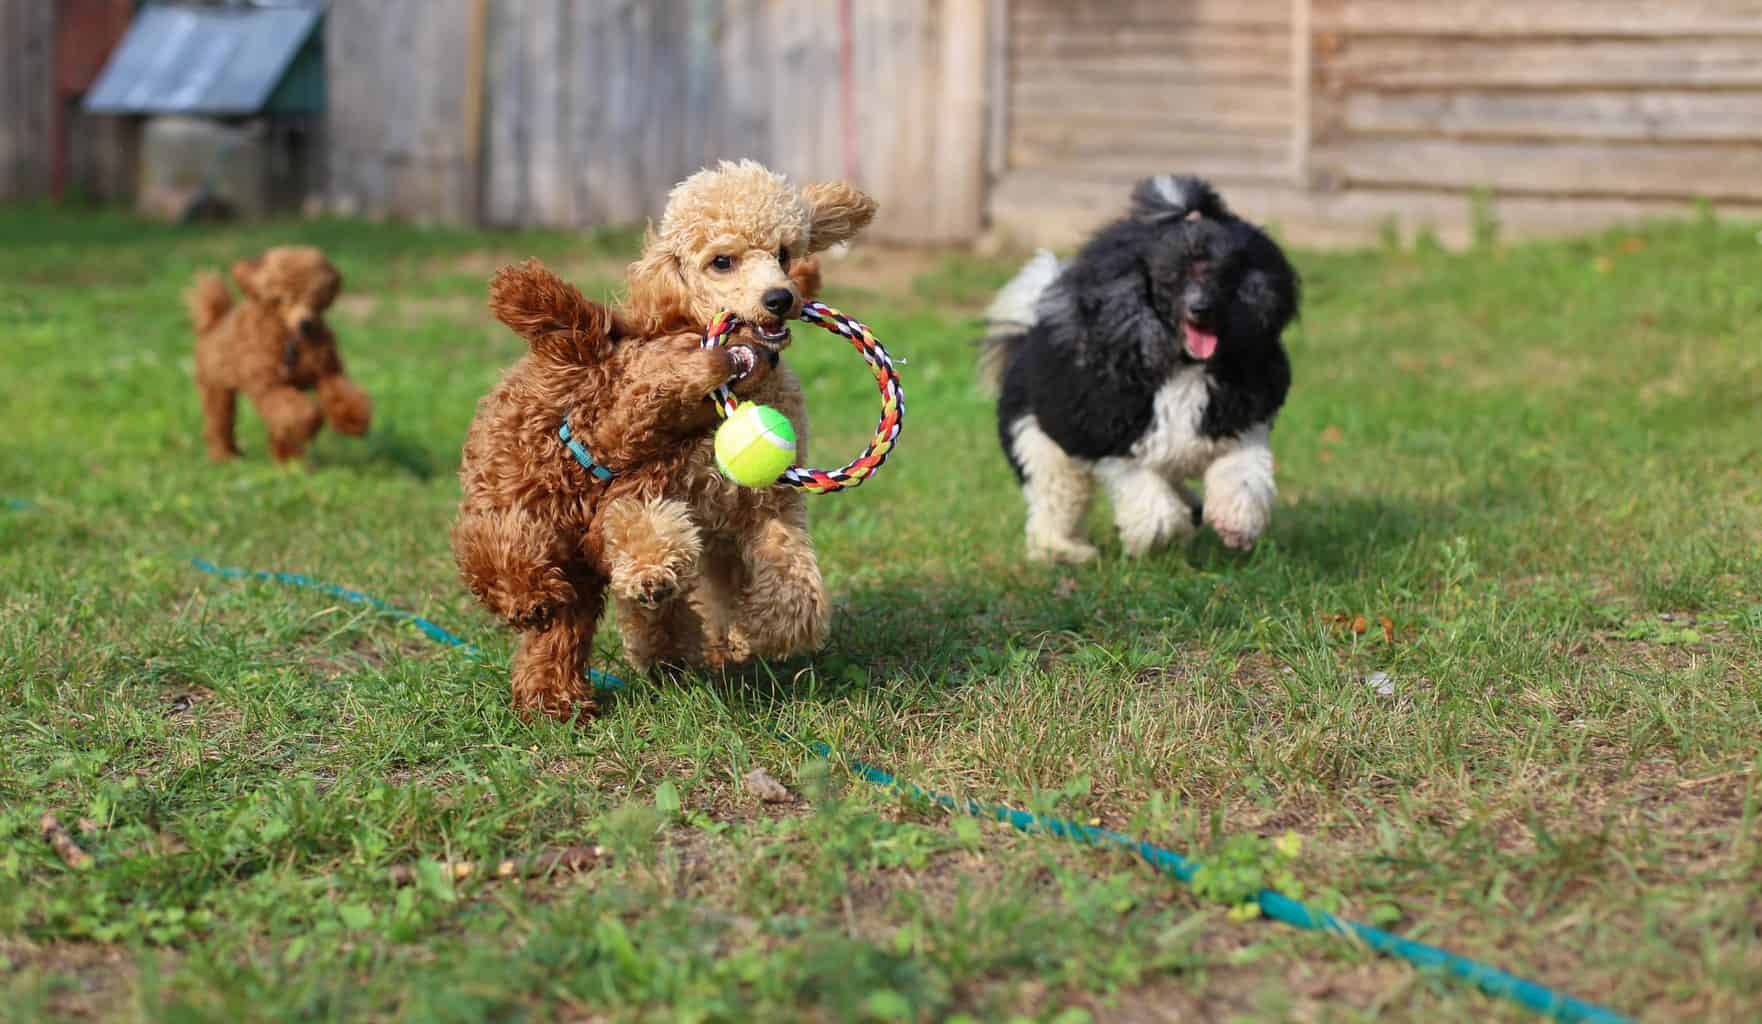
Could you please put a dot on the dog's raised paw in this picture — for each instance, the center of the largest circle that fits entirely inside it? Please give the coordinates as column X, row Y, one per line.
column 655, row 592
column 534, row 618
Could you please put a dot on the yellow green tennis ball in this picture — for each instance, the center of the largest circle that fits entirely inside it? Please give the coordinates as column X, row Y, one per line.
column 754, row 445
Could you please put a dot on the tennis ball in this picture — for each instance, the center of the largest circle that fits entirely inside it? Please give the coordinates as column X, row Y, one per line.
column 755, row 445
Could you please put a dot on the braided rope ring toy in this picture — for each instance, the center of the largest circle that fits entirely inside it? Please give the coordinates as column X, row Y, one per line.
column 821, row 481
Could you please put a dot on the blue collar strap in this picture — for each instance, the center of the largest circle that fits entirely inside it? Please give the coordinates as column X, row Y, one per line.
column 582, row 455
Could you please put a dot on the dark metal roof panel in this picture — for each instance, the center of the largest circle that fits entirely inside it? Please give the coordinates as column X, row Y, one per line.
column 212, row 60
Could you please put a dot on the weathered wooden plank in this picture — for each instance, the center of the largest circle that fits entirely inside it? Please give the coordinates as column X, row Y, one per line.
column 1433, row 63
column 27, row 36
column 355, row 112
column 1687, row 170
column 603, row 151
column 1262, row 158
column 745, row 114
column 957, row 178
column 549, row 51
column 442, row 145
column 1661, row 115
column 1160, row 71
column 1173, row 43
column 1131, row 129
column 1053, row 15
column 396, row 140
column 1321, row 117
column 1033, row 208
column 997, row 77
column 1648, row 19
column 807, row 132
column 471, row 116
column 895, row 117
column 1261, row 103
column 505, row 143
column 1302, row 81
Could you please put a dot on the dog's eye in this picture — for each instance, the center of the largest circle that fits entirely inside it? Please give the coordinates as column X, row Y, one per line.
column 723, row 263
column 783, row 256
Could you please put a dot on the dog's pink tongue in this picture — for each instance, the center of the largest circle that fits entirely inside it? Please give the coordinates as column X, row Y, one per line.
column 1201, row 344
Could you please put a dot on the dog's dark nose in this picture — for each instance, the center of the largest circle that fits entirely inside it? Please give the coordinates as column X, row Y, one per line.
column 308, row 328
column 778, row 300
column 1198, row 304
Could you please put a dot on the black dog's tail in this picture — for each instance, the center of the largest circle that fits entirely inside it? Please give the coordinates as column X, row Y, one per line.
column 1010, row 315
column 1175, row 196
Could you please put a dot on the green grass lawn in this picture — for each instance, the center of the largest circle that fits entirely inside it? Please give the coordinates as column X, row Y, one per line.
column 1533, row 472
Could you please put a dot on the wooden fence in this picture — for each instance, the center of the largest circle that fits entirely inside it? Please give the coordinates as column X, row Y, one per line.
column 1336, row 118
column 565, row 113
column 1570, row 113
column 1330, row 117
column 27, row 97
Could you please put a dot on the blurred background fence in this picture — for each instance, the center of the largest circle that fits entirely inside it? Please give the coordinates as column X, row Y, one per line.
column 1332, row 118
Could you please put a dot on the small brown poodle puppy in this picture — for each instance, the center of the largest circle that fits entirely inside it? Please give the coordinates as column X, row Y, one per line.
column 274, row 347
column 567, row 470
column 738, row 237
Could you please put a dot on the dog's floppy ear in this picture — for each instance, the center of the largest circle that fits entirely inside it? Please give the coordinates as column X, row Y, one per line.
column 805, row 273
column 837, row 212
column 551, row 314
column 245, row 274
column 659, row 299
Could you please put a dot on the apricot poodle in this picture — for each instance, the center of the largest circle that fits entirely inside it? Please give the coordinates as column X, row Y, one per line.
column 567, row 469
column 273, row 347
column 736, row 237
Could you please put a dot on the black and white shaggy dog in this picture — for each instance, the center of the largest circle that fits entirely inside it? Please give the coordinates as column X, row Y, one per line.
column 1150, row 359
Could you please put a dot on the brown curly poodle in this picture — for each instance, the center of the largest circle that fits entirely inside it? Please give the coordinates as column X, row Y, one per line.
column 737, row 237
column 540, row 511
column 274, row 347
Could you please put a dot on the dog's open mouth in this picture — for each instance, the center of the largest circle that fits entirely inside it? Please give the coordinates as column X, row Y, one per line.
column 1201, row 343
column 775, row 337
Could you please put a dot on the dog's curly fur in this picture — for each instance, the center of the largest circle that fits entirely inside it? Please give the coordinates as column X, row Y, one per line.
column 736, row 237
column 538, row 540
column 273, row 347
column 1153, row 357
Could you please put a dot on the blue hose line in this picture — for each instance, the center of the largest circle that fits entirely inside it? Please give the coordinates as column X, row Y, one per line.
column 1491, row 980
column 600, row 679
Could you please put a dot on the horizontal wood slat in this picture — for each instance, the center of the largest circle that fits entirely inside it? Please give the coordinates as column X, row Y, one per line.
column 1665, row 170
column 1439, row 62
column 1649, row 19
column 1619, row 116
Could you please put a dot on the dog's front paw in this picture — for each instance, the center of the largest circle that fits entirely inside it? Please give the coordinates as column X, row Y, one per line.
column 652, row 548
column 534, row 607
column 654, row 588
column 1061, row 550
column 532, row 618
column 1237, row 524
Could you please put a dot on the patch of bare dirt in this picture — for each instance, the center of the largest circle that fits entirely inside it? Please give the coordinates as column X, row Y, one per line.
column 97, row 982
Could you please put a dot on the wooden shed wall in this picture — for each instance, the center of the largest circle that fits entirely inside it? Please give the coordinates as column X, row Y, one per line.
column 27, row 97
column 1099, row 94
column 1637, row 100
column 1205, row 84
column 398, row 141
column 591, row 111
